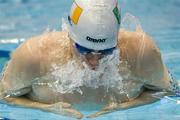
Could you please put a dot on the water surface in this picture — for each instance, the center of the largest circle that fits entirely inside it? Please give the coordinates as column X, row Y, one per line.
column 21, row 19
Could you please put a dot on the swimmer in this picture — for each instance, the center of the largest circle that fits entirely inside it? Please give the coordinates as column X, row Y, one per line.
column 35, row 76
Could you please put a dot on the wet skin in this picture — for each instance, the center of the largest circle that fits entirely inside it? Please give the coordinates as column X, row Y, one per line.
column 33, row 59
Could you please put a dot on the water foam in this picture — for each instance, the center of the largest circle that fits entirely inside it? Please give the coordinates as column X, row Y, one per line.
column 70, row 77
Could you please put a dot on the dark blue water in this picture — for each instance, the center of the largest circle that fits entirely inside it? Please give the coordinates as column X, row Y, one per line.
column 21, row 19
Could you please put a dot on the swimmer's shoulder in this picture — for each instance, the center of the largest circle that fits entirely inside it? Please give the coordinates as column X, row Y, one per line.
column 142, row 54
column 46, row 43
column 34, row 58
column 56, row 47
column 39, row 41
column 50, row 39
column 41, row 52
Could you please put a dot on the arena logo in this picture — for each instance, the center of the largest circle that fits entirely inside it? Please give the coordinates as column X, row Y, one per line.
column 96, row 40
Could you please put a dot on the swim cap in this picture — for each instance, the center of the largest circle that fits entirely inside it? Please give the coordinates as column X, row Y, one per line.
column 94, row 24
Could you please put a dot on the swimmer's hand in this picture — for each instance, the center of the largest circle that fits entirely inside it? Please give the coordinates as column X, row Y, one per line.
column 64, row 109
column 147, row 97
column 61, row 108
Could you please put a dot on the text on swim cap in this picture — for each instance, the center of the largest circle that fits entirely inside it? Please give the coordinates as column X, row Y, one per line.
column 95, row 40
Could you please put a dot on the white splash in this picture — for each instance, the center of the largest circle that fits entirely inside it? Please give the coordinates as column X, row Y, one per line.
column 70, row 77
column 130, row 23
column 65, row 25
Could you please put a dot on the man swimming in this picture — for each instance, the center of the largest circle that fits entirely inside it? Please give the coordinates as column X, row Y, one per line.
column 123, row 69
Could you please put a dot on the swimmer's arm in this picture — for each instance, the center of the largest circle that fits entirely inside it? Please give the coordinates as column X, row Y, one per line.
column 20, row 71
column 144, row 59
column 147, row 97
column 58, row 108
column 158, row 77
column 149, row 65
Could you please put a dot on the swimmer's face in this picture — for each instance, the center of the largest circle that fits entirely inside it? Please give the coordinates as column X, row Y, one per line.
column 89, row 56
column 92, row 60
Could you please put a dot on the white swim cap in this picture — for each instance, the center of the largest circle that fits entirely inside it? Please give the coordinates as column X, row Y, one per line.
column 94, row 24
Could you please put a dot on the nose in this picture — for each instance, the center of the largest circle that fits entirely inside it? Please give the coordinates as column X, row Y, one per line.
column 92, row 60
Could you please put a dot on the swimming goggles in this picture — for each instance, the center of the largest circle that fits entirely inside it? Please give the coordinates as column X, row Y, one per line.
column 84, row 51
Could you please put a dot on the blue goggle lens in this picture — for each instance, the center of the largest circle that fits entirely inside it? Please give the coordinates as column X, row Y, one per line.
column 83, row 50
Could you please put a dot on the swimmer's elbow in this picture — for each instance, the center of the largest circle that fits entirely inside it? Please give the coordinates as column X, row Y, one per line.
column 160, row 82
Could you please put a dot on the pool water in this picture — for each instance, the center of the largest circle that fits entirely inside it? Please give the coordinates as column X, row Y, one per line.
column 21, row 19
